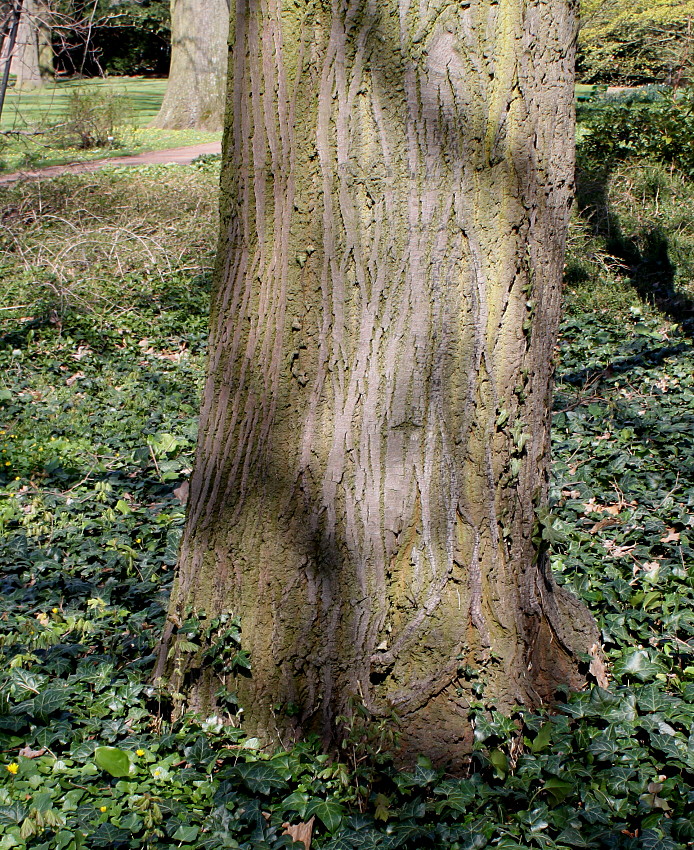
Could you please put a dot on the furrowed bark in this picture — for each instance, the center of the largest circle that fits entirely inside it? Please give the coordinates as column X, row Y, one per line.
column 374, row 437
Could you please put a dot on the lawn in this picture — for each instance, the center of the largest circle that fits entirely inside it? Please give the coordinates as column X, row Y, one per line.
column 104, row 282
column 44, row 106
column 29, row 116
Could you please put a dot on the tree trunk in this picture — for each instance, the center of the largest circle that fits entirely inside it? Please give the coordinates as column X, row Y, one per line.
column 45, row 42
column 197, row 76
column 25, row 62
column 373, row 454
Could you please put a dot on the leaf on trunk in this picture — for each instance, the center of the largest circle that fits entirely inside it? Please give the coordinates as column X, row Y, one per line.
column 181, row 493
column 597, row 667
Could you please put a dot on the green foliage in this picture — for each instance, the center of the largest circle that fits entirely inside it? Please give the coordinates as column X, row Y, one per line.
column 635, row 41
column 662, row 129
column 99, row 402
column 135, row 37
column 112, row 760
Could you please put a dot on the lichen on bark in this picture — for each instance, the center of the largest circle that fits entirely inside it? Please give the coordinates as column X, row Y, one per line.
column 374, row 436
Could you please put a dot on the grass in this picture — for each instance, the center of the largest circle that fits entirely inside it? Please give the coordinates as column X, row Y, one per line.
column 46, row 105
column 25, row 113
column 104, row 281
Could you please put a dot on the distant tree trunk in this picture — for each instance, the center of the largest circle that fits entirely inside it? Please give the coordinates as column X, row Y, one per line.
column 370, row 483
column 33, row 56
column 45, row 42
column 197, row 76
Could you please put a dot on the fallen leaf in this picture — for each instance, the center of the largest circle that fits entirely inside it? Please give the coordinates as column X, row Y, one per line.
column 300, row 832
column 82, row 351
column 617, row 551
column 604, row 523
column 672, row 536
column 28, row 753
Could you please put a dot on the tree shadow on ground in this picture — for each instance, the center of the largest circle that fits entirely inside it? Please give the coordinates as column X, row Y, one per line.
column 644, row 261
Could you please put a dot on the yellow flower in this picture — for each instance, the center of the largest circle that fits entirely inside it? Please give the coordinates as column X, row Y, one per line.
column 138, row 540
column 12, row 768
column 55, row 610
column 7, row 463
column 139, row 752
column 103, row 808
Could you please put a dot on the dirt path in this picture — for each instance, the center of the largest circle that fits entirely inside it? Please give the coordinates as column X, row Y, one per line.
column 180, row 156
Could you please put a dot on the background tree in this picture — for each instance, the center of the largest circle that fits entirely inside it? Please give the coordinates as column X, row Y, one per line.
column 197, row 76
column 32, row 62
column 370, row 482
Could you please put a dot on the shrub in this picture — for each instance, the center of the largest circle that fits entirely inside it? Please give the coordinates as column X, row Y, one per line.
column 661, row 129
column 92, row 118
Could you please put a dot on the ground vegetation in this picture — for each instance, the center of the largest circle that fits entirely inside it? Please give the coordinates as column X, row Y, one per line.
column 104, row 296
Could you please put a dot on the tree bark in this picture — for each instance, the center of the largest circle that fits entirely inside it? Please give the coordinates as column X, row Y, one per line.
column 33, row 57
column 373, row 454
column 25, row 62
column 197, row 76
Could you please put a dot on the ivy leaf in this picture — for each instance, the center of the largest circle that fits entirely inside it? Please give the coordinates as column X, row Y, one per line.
column 329, row 812
column 638, row 665
column 382, row 807
column 186, row 833
column 108, row 834
column 542, row 739
column 571, row 836
column 424, row 773
column 48, row 701
column 604, row 748
column 652, row 699
column 14, row 814
column 260, row 776
column 364, row 839
column 297, row 802
column 653, row 839
column 499, row 761
column 557, row 789
column 201, row 752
